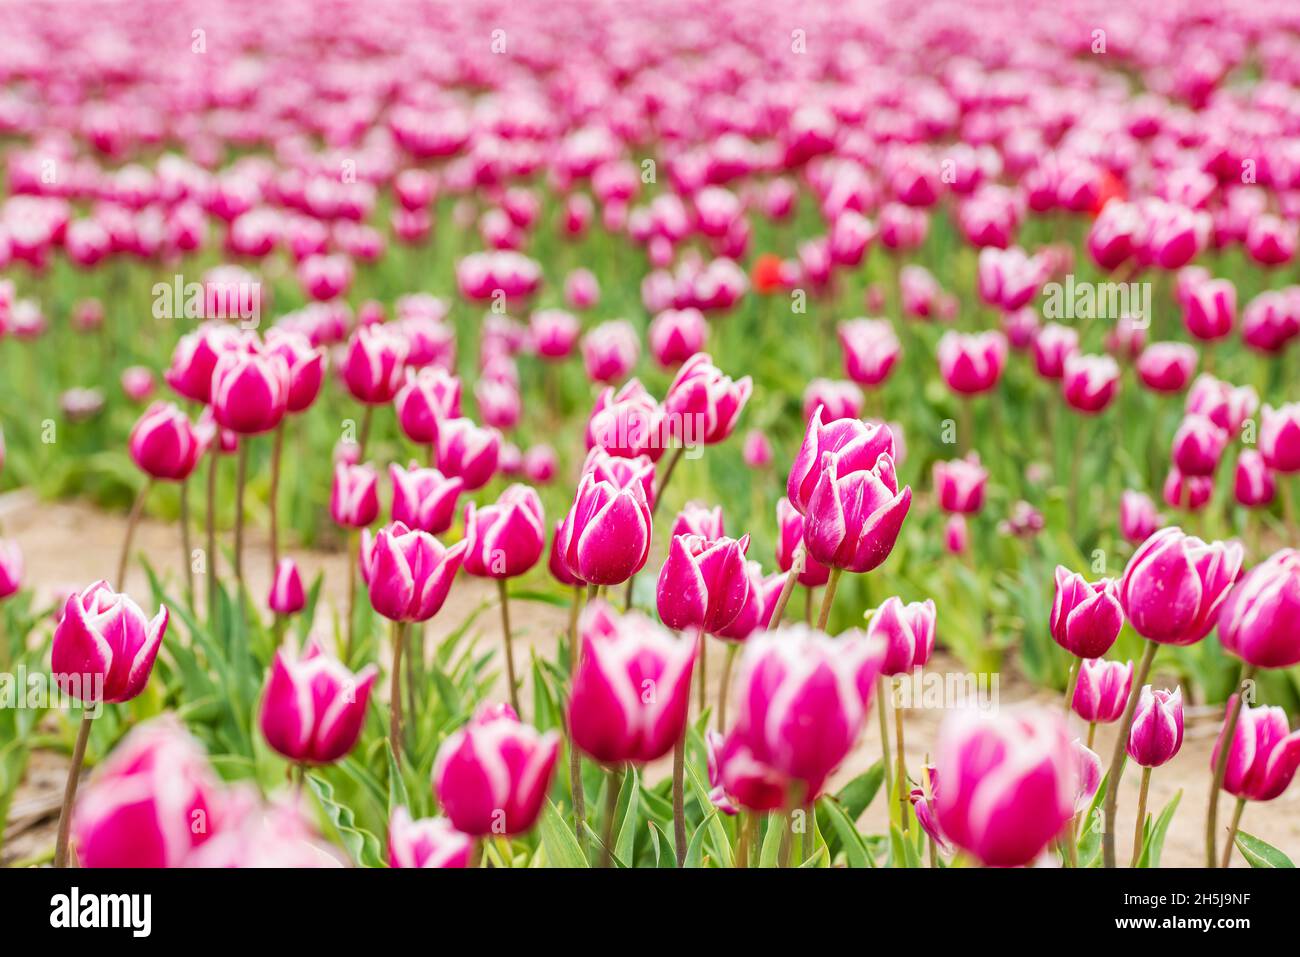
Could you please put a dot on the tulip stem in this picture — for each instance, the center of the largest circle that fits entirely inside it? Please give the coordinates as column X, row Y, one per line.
column 661, row 487
column 351, row 556
column 1232, row 832
column 137, row 507
column 679, row 797
column 363, row 438
column 277, row 447
column 575, row 759
column 1117, row 759
column 748, row 833
column 1092, row 733
column 702, row 686
column 395, row 696
column 188, row 561
column 1221, row 764
column 902, row 765
column 210, row 565
column 70, row 791
column 727, row 663
column 828, row 598
column 1071, row 682
column 808, row 605
column 504, row 592
column 884, row 733
column 241, row 479
column 791, row 577
column 1140, row 828
column 574, row 607
column 612, row 786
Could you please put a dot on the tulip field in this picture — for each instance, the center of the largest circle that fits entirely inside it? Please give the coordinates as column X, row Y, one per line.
column 592, row 433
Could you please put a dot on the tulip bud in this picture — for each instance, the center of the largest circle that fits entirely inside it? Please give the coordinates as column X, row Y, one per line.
column 1210, row 308
column 703, row 583
column 702, row 404
column 306, row 366
column 610, row 351
column 286, row 596
column 354, row 497
column 1227, row 406
column 164, row 444
column 790, row 525
column 505, row 539
column 429, row 396
column 858, row 444
column 429, row 842
column 854, row 515
column 1258, row 621
column 906, row 631
column 250, row 390
column 1086, row 617
column 956, row 535
column 11, row 568
column 757, row 450
column 314, row 708
column 605, row 539
column 374, row 364
column 1102, row 690
column 1157, row 732
column 555, row 561
column 737, row 775
column 491, row 776
column 408, row 572
column 1174, row 584
column 1053, row 345
column 1088, row 766
column 632, row 687
column 1253, row 483
column 1263, row 757
column 1167, row 366
column 1279, row 437
column 837, row 400
column 104, row 647
column 1191, row 492
column 1009, row 782
column 137, row 383
column 959, row 484
column 468, row 452
column 1138, row 519
column 628, row 423
column 697, row 519
column 760, row 604
column 1089, row 383
column 871, row 350
column 675, row 335
column 1198, row 445
column 424, row 498
column 195, row 358
column 971, row 364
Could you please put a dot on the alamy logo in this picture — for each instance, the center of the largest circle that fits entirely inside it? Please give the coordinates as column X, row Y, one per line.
column 1098, row 300
column 131, row 911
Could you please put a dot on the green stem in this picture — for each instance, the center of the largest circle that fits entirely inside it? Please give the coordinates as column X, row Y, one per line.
column 1117, row 759
column 1221, row 765
column 187, row 555
column 70, row 792
column 277, row 448
column 504, row 592
column 783, row 599
column 1140, row 827
column 210, row 565
column 881, row 686
column 1071, row 682
column 828, row 598
column 612, row 787
column 137, row 508
column 732, row 648
column 241, row 479
column 395, row 696
column 1232, row 832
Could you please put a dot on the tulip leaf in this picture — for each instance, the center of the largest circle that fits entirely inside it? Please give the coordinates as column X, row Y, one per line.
column 1260, row 853
column 1155, row 838
column 361, row 845
column 856, row 796
column 1091, row 827
column 629, row 811
column 695, row 850
column 397, row 796
column 770, row 854
column 561, row 844
column 717, row 833
column 819, row 858
column 855, row 849
column 665, row 856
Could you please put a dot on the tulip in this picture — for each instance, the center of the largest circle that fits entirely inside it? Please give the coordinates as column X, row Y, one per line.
column 374, row 364
column 287, row 597
column 1157, row 733
column 605, row 539
column 554, row 333
column 491, row 776
column 1210, row 308
column 857, row 444
column 1279, row 437
column 354, row 497
column 854, row 514
column 703, row 583
column 555, row 560
column 430, row 842
column 468, row 452
column 1257, row 622
column 697, row 519
column 790, row 539
column 1089, row 383
column 164, row 443
column 276, row 835
column 956, row 535
column 907, row 633
column 151, row 803
column 803, row 701
column 738, row 776
column 1086, row 617
column 11, row 568
column 959, row 484
column 1175, row 583
column 675, row 335
column 1167, row 366
column 429, row 396
column 628, row 423
column 1263, row 756
column 703, row 405
column 314, row 708
column 1009, row 278
column 1008, row 784
column 1254, row 485
column 632, row 687
column 137, row 383
column 1191, row 492
column 1137, row 516
column 610, row 351
column 756, row 613
column 250, row 390
column 1198, row 445
column 581, row 289
column 408, row 572
column 622, row 472
column 424, row 498
column 1102, row 690
column 837, row 400
column 871, row 350
column 195, row 357
column 306, row 366
column 1053, row 345
column 756, row 453
column 104, row 647
column 971, row 364
column 1227, row 406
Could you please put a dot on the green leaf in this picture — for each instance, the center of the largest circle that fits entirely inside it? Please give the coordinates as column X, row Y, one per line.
column 717, row 833
column 625, row 840
column 695, row 849
column 770, row 853
column 856, row 796
column 847, row 832
column 363, row 846
column 1260, row 853
column 397, row 796
column 1155, row 840
column 561, row 843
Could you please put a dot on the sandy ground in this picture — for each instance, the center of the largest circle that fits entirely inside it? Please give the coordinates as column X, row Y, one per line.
column 69, row 545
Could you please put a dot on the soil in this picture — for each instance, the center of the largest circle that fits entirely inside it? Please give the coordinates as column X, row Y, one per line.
column 54, row 567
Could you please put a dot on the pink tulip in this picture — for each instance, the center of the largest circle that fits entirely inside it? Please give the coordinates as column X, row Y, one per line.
column 1174, row 584
column 760, row 604
column 1227, row 406
column 790, row 525
column 581, row 289
column 430, row 842
column 1270, row 321
column 756, row 453
column 468, row 452
column 287, row 597
column 605, row 539
column 1086, row 617
column 424, row 498
column 836, row 399
column 956, row 534
column 610, row 351
column 1210, row 309
column 1007, row 783
column 1191, row 492
column 1167, row 366
column 632, row 687
column 11, row 568
column 1102, row 690
column 703, row 583
column 491, row 776
column 151, row 803
column 354, row 496
column 505, row 539
column 959, row 484
column 408, row 572
column 1253, row 483
column 1009, row 278
column 137, row 383
column 1088, row 767
column 555, row 560
column 276, row 835
column 104, row 647
column 697, row 519
column 164, row 444
column 855, row 514
column 702, row 405
column 803, row 700
column 622, row 472
column 971, row 364
column 250, row 390
column 195, row 357
column 1279, row 437
column 1089, row 383
column 871, row 350
column 429, row 396
column 1198, row 445
column 675, row 335
column 554, row 333
column 314, row 708
column 1157, row 732
column 906, row 631
column 1053, row 345
column 1271, row 241
column 858, row 446
column 306, row 366
column 374, row 364
column 1263, row 756
column 736, row 776
column 627, row 423
column 1138, row 518
column 1257, row 623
